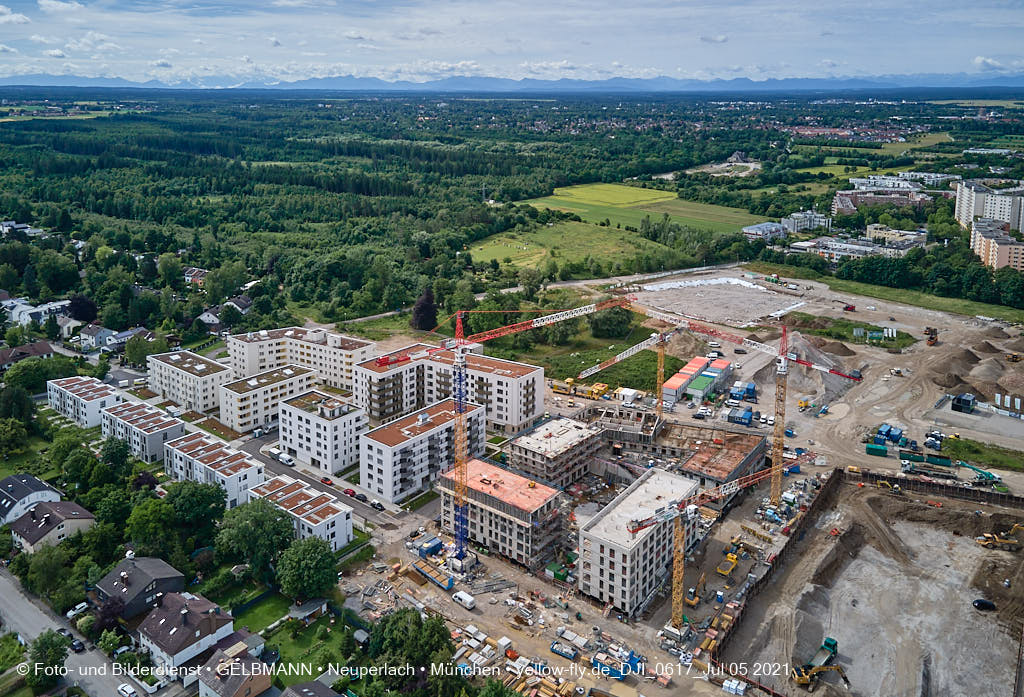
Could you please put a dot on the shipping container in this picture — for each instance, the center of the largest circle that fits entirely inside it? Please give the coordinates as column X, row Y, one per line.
column 883, row 430
column 911, row 455
column 895, row 434
column 879, row 439
column 879, row 450
column 933, row 459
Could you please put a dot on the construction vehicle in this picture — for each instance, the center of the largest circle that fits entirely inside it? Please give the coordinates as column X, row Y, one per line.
column 933, row 335
column 849, row 308
column 566, row 387
column 994, row 541
column 825, row 654
column 927, row 471
column 693, row 595
column 808, row 677
column 981, row 476
column 896, row 372
column 894, row 488
column 1013, row 357
column 727, row 565
column 1015, row 528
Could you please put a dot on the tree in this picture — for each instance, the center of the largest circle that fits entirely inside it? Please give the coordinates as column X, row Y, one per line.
column 529, row 280
column 82, row 309
column 229, row 315
column 117, row 454
column 197, row 330
column 169, row 267
column 13, row 436
column 197, row 507
column 15, row 336
column 109, row 642
column 108, row 614
column 86, row 624
column 138, row 348
column 49, row 650
column 424, row 312
column 148, row 525
column 46, row 569
column 255, row 532
column 102, row 367
column 15, row 403
column 32, row 373
column 307, row 569
column 51, row 328
column 613, row 323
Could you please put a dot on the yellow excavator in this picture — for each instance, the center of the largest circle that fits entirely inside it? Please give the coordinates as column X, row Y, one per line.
column 808, row 676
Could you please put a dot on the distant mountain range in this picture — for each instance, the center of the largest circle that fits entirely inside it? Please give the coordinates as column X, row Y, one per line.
column 467, row 84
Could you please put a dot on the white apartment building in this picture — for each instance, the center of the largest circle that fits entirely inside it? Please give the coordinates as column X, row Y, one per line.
column 314, row 513
column 405, row 457
column 252, row 402
column 144, row 428
column 623, row 568
column 333, row 356
column 806, row 220
column 991, row 241
column 884, row 181
column 81, row 398
column 929, row 178
column 764, row 231
column 558, row 451
column 322, row 431
column 508, row 513
column 187, row 379
column 511, row 393
column 974, row 199
column 200, row 458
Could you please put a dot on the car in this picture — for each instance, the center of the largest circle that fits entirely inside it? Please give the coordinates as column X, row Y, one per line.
column 691, row 405
column 984, row 605
column 349, row 492
column 414, row 534
column 286, row 460
column 76, row 610
column 699, row 416
column 126, row 690
column 77, row 646
column 361, row 497
column 64, row 631
column 327, row 480
column 376, row 505
column 740, row 351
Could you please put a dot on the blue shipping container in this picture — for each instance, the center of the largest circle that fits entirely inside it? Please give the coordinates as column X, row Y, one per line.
column 879, row 439
column 883, row 430
column 751, row 389
column 895, row 434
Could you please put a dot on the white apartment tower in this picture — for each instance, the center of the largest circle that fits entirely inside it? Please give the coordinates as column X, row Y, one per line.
column 144, row 428
column 200, row 458
column 252, row 402
column 188, row 379
column 313, row 513
column 975, row 199
column 330, row 354
column 322, row 431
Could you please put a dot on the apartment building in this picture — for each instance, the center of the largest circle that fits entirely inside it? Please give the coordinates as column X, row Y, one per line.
column 975, row 199
column 806, row 220
column 405, row 457
column 81, row 399
column 991, row 241
column 884, row 181
column 508, row 513
column 511, row 393
column 333, row 356
column 187, row 379
column 929, row 178
column 314, row 514
column 200, row 458
column 764, row 231
column 143, row 427
column 623, row 568
column 322, row 431
column 252, row 402
column 558, row 451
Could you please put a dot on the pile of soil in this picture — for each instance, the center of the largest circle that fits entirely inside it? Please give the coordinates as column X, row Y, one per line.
column 988, row 579
column 838, row 348
column 985, row 347
column 754, row 337
column 958, row 522
column 1016, row 345
column 995, row 333
column 847, row 546
column 989, row 370
column 952, row 371
column 804, row 323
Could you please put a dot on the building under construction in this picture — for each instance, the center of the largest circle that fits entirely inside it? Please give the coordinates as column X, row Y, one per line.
column 558, row 451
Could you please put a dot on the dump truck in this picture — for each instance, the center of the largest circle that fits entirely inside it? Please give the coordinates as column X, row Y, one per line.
column 826, row 653
column 808, row 677
column 992, row 541
column 728, row 564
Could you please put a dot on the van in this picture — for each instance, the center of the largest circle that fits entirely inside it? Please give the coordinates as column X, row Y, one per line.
column 139, row 382
column 764, row 418
column 464, row 599
column 286, row 460
column 714, row 344
column 123, row 383
column 274, row 453
column 732, row 402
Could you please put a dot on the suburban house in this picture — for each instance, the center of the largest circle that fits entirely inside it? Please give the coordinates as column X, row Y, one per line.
column 68, row 325
column 234, row 672
column 194, row 275
column 23, row 313
column 118, row 340
column 180, row 628
column 95, row 336
column 242, row 303
column 19, row 492
column 137, row 581
column 48, row 523
column 309, row 689
column 37, row 349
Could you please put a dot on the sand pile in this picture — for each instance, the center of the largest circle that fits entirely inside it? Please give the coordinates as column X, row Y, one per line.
column 985, row 347
column 989, row 370
column 960, row 362
column 837, row 348
column 995, row 333
column 754, row 337
column 1016, row 345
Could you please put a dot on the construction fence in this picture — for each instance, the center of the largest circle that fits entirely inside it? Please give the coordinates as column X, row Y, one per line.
column 952, row 491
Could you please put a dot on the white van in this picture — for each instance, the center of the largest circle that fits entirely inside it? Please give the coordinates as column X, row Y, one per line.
column 732, row 403
column 464, row 599
column 714, row 344
column 286, row 460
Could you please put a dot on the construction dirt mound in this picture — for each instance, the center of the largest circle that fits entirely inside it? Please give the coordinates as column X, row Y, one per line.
column 959, row 523
column 1017, row 344
column 989, row 580
column 837, row 348
column 847, row 547
column 995, row 333
column 985, row 347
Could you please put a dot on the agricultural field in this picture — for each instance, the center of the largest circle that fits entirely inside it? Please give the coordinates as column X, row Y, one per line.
column 999, row 103
column 920, row 142
column 629, row 205
column 568, row 241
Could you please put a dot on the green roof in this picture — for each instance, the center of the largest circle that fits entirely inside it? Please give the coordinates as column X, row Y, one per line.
column 701, row 383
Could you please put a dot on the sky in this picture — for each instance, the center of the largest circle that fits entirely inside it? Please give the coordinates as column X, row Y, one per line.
column 284, row 40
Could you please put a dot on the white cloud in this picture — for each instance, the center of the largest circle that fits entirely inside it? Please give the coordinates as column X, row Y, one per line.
column 828, row 63
column 354, row 36
column 985, row 63
column 4, row 48
column 91, row 41
column 8, row 16
column 716, row 39
column 274, row 41
column 161, row 64
column 40, row 39
column 54, row 53
column 55, row 6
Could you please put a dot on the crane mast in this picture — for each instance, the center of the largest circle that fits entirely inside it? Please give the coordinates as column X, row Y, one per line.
column 460, row 504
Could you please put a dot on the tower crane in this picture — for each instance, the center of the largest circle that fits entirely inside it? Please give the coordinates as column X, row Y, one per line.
column 459, row 347
column 688, row 507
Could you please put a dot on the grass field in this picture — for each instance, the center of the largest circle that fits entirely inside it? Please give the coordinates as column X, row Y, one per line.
column 982, row 454
column 1002, row 103
column 629, row 205
column 568, row 241
column 263, row 613
column 919, row 142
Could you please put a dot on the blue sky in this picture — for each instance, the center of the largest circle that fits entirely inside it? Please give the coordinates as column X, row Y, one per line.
column 176, row 40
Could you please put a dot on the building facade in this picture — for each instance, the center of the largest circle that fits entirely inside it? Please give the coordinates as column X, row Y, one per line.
column 508, row 513
column 806, row 220
column 405, row 457
column 180, row 628
column 143, row 427
column 49, row 523
column 975, row 199
column 991, row 241
column 136, row 582
column 764, row 231
column 188, row 379
column 253, row 402
column 558, row 451
column 333, row 356
column 322, row 431
column 81, row 399
column 623, row 568
column 198, row 457
column 19, row 492
column 313, row 513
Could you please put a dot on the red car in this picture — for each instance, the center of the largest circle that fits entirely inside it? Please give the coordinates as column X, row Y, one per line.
column 349, row 492
column 327, row 480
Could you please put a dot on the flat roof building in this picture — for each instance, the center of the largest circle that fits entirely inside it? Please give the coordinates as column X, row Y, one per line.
column 81, row 398
column 313, row 513
column 623, row 568
column 976, row 199
column 252, row 402
column 806, row 220
column 332, row 355
column 509, row 513
column 558, row 451
column 187, row 379
column 200, row 458
column 143, row 427
column 405, row 457
column 764, row 231
column 322, row 431
column 992, row 242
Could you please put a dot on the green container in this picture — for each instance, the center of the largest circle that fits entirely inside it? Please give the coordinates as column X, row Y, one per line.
column 938, row 460
column 911, row 455
column 878, row 450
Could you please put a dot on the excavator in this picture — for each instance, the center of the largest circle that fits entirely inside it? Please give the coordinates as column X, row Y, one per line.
column 693, row 595
column 807, row 676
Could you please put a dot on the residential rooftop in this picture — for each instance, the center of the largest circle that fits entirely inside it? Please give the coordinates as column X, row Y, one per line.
column 323, row 405
column 84, row 388
column 141, row 416
column 300, row 500
column 311, row 336
column 373, row 365
column 556, row 436
column 44, row 517
column 417, row 423
column 653, row 491
column 213, row 454
column 508, row 487
column 487, row 364
column 190, row 362
column 267, row 378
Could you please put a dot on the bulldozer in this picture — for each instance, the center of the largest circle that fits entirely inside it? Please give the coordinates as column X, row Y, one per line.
column 807, row 676
column 993, row 541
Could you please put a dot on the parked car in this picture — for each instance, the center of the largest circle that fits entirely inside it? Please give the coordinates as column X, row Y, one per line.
column 64, row 631
column 76, row 610
column 126, row 690
column 327, row 480
column 361, row 497
column 376, row 505
column 699, row 416
column 77, row 646
column 739, row 350
column 287, row 460
column 985, row 605
column 349, row 492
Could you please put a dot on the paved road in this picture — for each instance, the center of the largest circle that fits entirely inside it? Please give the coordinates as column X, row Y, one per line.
column 21, row 614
